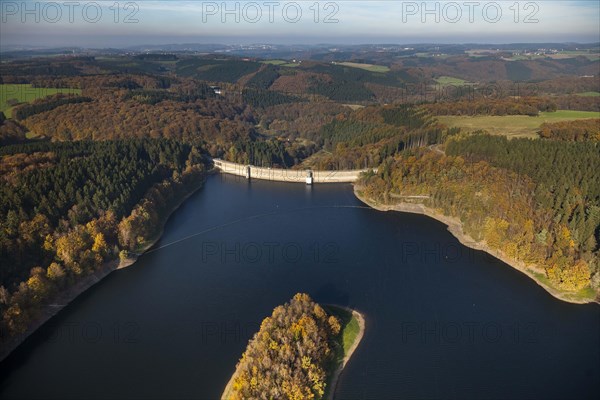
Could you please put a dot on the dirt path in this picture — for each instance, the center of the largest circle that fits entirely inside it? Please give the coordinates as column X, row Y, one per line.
column 437, row 148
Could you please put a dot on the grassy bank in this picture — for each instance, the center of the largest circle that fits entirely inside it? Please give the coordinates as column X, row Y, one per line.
column 584, row 296
column 353, row 329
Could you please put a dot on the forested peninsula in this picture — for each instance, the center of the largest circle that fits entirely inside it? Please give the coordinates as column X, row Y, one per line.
column 298, row 353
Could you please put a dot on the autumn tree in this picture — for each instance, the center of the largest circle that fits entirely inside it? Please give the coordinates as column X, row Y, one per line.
column 288, row 357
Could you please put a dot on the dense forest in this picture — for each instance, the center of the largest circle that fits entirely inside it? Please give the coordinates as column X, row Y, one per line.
column 267, row 98
column 365, row 137
column 268, row 153
column 66, row 208
column 11, row 131
column 578, row 131
column 264, row 78
column 216, row 69
column 505, row 106
column 536, row 201
column 90, row 176
column 290, row 356
column 47, row 104
column 300, row 119
column 122, row 106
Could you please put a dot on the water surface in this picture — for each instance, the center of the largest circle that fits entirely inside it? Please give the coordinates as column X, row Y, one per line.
column 443, row 321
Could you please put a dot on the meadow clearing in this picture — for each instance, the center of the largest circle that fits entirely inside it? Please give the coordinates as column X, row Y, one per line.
column 514, row 125
column 12, row 94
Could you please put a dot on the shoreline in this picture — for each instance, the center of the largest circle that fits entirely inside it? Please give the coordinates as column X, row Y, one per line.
column 71, row 293
column 333, row 380
column 454, row 226
column 335, row 377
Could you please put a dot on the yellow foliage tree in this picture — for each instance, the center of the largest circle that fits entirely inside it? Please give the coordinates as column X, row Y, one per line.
column 69, row 247
column 99, row 245
column 49, row 243
column 495, row 231
column 334, row 325
column 55, row 272
column 287, row 358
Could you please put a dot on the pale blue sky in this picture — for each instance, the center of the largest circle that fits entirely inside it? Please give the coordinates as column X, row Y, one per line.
column 48, row 23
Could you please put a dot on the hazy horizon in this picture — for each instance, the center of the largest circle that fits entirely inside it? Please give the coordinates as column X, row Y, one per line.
column 266, row 43
column 110, row 24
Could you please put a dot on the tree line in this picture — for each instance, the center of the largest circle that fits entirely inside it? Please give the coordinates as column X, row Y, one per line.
column 504, row 106
column 537, row 201
column 365, row 137
column 577, row 131
column 267, row 98
column 125, row 106
column 11, row 131
column 66, row 208
column 47, row 104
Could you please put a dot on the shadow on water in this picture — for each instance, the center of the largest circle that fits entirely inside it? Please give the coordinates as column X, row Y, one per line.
column 328, row 293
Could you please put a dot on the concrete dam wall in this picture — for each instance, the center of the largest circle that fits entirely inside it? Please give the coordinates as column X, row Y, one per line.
column 287, row 175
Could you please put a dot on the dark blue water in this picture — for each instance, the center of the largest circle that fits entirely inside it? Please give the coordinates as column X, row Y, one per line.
column 443, row 321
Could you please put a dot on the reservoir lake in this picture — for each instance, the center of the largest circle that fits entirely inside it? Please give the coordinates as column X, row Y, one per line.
column 442, row 320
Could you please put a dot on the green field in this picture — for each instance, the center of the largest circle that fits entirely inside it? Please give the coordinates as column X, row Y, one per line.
column 367, row 67
column 514, row 125
column 349, row 333
column 568, row 115
column 354, row 106
column 451, row 81
column 274, row 62
column 589, row 94
column 281, row 63
column 350, row 327
column 480, row 53
column 440, row 56
column 24, row 93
